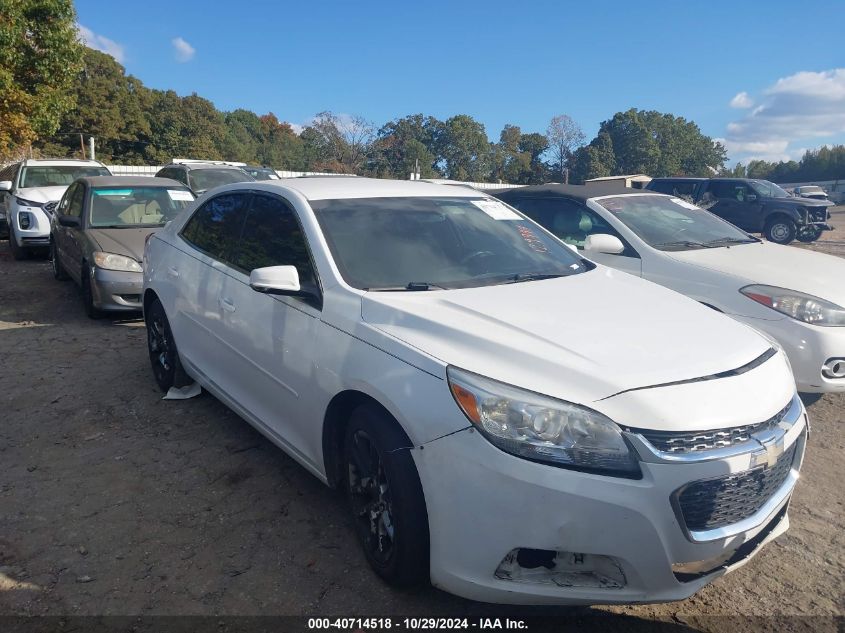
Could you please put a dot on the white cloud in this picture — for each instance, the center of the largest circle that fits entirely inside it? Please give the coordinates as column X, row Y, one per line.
column 742, row 101
column 804, row 106
column 183, row 51
column 297, row 128
column 101, row 43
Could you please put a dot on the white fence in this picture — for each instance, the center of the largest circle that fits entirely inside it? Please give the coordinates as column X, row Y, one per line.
column 151, row 170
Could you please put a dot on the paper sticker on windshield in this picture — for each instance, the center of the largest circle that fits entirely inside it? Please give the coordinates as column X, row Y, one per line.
column 179, row 195
column 496, row 210
column 683, row 203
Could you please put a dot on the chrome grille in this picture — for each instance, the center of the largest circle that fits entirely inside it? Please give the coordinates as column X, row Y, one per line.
column 714, row 503
column 692, row 441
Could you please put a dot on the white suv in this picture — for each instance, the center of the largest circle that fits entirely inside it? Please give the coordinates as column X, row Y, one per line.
column 28, row 192
column 510, row 420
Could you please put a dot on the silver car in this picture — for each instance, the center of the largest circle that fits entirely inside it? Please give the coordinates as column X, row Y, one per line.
column 98, row 231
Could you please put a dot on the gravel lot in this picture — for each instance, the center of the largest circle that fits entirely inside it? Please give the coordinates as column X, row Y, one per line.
column 115, row 502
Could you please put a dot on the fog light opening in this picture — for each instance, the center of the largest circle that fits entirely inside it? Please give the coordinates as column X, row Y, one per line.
column 834, row 368
column 564, row 569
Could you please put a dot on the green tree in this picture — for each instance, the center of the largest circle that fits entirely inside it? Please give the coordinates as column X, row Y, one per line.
column 564, row 136
column 464, row 149
column 39, row 59
column 403, row 144
column 595, row 160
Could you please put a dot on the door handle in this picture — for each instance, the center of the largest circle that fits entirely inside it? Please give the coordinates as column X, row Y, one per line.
column 172, row 272
column 227, row 304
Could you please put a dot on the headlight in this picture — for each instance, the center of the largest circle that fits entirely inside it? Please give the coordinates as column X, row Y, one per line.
column 112, row 261
column 798, row 305
column 540, row 428
column 28, row 203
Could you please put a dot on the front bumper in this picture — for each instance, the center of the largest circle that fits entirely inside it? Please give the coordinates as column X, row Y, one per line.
column 483, row 504
column 809, row 348
column 117, row 291
column 37, row 236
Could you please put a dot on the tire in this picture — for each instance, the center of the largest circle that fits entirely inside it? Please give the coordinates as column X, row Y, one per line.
column 18, row 252
column 809, row 234
column 59, row 271
column 780, row 229
column 88, row 296
column 386, row 498
column 164, row 355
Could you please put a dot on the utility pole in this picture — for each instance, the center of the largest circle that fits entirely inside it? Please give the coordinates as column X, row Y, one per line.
column 82, row 145
column 91, row 148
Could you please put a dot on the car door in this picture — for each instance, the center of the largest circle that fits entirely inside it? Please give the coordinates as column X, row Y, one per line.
column 572, row 222
column 68, row 239
column 735, row 202
column 198, row 268
column 274, row 336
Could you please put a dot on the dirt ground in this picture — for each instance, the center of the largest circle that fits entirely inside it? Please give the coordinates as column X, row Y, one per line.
column 115, row 502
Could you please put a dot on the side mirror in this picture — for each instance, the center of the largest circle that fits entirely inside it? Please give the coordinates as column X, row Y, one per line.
column 275, row 280
column 603, row 243
column 5, row 185
column 70, row 221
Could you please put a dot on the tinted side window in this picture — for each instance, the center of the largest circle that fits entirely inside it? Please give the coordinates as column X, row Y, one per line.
column 729, row 189
column 272, row 236
column 662, row 186
column 74, row 206
column 215, row 227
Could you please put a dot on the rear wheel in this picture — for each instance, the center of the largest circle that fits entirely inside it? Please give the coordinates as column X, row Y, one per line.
column 58, row 270
column 386, row 498
column 164, row 356
column 780, row 229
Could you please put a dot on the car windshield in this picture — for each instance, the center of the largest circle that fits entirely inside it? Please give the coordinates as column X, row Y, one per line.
column 429, row 243
column 672, row 223
column 261, row 173
column 768, row 189
column 127, row 207
column 58, row 176
column 205, row 179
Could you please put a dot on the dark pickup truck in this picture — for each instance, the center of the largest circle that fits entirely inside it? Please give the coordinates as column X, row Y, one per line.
column 757, row 206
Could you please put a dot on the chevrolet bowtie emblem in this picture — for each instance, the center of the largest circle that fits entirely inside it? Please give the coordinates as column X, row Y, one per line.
column 768, row 455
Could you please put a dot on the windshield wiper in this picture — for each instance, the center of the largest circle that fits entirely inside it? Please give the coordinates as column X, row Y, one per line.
column 732, row 240
column 687, row 243
column 519, row 277
column 413, row 286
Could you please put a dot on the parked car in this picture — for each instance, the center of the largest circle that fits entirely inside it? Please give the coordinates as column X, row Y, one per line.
column 261, row 173
column 201, row 176
column 98, row 231
column 758, row 206
column 811, row 191
column 510, row 420
column 30, row 190
column 795, row 296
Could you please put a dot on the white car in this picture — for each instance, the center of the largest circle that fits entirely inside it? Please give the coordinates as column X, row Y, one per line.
column 29, row 190
column 511, row 421
column 795, row 296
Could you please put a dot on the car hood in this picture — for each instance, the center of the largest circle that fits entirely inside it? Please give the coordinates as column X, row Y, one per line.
column 127, row 241
column 774, row 265
column 580, row 338
column 42, row 194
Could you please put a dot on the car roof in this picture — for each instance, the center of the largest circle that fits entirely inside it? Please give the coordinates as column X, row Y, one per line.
column 130, row 181
column 61, row 162
column 333, row 187
column 574, row 192
column 208, row 165
column 681, row 178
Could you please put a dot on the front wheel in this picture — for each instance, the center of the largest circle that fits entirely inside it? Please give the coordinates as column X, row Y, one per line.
column 164, row 357
column 386, row 497
column 780, row 230
column 58, row 270
column 91, row 310
column 809, row 234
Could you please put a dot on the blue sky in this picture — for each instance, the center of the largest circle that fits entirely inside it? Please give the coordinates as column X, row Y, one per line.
column 767, row 77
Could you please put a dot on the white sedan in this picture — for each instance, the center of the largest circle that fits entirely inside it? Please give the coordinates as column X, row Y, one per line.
column 511, row 421
column 793, row 295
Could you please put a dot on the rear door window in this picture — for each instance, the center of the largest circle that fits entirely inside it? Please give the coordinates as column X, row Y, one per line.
column 216, row 226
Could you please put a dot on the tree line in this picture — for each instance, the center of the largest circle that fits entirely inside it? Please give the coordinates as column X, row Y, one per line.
column 825, row 163
column 52, row 89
